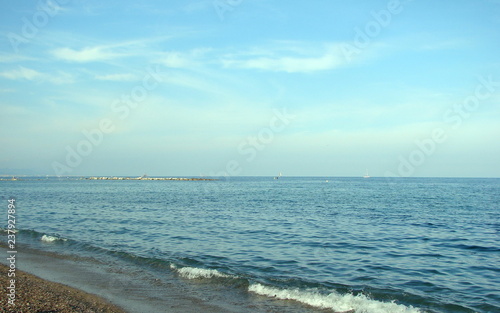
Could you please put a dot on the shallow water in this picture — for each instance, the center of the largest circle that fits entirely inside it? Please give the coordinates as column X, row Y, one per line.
column 367, row 245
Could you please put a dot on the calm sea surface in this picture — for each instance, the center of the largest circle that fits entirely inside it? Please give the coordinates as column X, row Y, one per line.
column 304, row 244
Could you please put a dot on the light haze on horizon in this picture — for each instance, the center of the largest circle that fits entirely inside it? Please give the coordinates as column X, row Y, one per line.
column 240, row 87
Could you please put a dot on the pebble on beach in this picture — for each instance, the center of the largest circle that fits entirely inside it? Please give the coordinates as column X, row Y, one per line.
column 34, row 294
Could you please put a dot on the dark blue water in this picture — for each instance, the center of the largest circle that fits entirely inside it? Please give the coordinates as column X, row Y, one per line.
column 367, row 245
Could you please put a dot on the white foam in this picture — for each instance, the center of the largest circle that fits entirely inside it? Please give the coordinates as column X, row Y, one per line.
column 46, row 238
column 9, row 231
column 197, row 273
column 334, row 301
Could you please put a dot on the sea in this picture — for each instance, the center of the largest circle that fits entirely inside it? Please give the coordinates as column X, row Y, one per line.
column 259, row 244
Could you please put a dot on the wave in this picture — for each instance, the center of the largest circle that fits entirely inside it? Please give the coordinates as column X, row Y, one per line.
column 337, row 302
column 47, row 238
column 334, row 301
column 199, row 273
column 33, row 234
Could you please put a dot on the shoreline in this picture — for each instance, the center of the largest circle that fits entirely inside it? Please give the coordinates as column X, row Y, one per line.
column 34, row 294
column 71, row 283
column 50, row 282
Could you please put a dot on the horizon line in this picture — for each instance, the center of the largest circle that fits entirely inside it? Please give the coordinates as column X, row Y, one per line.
column 229, row 176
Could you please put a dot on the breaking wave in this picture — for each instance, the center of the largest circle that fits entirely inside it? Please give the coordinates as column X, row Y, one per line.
column 337, row 302
column 47, row 238
column 198, row 273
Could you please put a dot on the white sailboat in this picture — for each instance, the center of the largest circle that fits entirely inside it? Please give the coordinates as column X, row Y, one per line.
column 366, row 175
column 277, row 177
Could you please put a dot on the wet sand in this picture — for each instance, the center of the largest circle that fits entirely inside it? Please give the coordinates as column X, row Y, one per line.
column 34, row 294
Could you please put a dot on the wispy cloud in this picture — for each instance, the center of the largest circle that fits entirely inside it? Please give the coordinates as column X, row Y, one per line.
column 445, row 45
column 50, row 6
column 291, row 60
column 105, row 52
column 13, row 58
column 59, row 78
column 194, row 82
column 22, row 73
column 198, row 6
column 92, row 54
column 117, row 77
column 178, row 59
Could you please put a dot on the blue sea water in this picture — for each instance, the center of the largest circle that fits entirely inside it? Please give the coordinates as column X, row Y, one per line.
column 305, row 244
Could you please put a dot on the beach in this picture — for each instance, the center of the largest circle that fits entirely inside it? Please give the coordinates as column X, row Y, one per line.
column 34, row 294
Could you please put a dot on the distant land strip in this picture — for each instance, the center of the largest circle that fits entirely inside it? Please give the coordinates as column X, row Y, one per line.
column 117, row 178
column 144, row 178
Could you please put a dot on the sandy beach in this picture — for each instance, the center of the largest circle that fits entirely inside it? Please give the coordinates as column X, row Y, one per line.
column 34, row 294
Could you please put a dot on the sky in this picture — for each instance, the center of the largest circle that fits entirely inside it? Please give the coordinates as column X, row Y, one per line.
column 250, row 87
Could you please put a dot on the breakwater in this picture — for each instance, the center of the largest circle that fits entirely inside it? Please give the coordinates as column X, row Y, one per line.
column 145, row 178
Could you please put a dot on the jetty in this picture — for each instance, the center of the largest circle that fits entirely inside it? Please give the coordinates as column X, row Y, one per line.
column 146, row 178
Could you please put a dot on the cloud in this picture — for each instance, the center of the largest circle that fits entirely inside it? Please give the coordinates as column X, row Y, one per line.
column 177, row 59
column 59, row 78
column 85, row 55
column 117, row 77
column 192, row 82
column 12, row 58
column 51, row 6
column 198, row 6
column 99, row 53
column 21, row 73
column 444, row 45
column 283, row 61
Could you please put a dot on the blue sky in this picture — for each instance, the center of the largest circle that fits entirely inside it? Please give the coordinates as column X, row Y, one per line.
column 250, row 87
